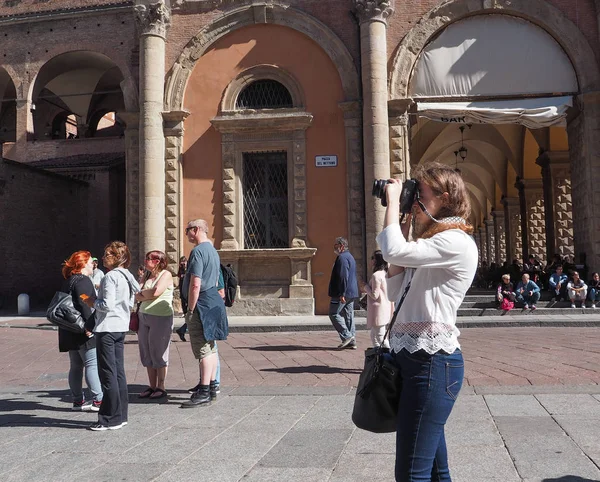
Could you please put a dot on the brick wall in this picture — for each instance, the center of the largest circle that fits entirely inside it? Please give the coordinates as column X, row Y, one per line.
column 43, row 219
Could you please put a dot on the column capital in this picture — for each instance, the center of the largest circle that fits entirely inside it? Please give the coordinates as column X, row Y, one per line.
column 351, row 109
column 374, row 10
column 152, row 18
column 131, row 119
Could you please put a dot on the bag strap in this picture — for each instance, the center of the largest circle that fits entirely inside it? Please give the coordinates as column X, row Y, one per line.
column 391, row 324
column 128, row 283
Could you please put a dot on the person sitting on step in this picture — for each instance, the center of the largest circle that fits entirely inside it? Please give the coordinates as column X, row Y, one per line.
column 505, row 295
column 594, row 289
column 577, row 290
column 558, row 284
column 528, row 292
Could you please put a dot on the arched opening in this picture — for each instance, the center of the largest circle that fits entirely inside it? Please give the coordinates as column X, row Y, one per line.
column 480, row 85
column 264, row 94
column 8, row 108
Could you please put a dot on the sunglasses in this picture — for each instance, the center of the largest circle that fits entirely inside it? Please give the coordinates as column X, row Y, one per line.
column 189, row 228
column 152, row 258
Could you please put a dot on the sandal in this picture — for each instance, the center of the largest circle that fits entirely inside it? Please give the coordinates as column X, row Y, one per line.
column 158, row 393
column 146, row 393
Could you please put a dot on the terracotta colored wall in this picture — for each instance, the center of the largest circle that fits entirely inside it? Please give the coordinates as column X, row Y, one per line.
column 530, row 153
column 319, row 80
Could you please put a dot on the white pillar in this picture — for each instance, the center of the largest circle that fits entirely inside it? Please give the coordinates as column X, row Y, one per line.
column 153, row 21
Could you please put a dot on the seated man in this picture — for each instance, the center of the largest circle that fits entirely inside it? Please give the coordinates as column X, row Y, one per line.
column 594, row 288
column 577, row 290
column 528, row 292
column 558, row 284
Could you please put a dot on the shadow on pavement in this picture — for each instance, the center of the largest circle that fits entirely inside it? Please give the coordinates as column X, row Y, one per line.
column 287, row 348
column 313, row 369
column 569, row 478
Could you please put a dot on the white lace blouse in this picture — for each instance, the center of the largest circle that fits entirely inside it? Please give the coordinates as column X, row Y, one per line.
column 441, row 270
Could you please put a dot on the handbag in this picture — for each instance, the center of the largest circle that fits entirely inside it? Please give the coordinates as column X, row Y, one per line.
column 62, row 313
column 379, row 387
column 363, row 302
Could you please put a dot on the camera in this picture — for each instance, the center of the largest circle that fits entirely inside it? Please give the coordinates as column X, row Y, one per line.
column 407, row 196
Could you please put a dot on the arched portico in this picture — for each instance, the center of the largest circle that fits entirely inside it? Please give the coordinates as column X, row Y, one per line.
column 583, row 144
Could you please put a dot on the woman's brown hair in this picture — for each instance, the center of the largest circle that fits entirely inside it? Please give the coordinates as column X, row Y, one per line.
column 119, row 251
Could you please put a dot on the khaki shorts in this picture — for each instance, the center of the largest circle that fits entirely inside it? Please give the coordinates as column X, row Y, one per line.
column 200, row 346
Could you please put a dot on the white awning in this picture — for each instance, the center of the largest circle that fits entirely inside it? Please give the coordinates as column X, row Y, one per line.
column 531, row 113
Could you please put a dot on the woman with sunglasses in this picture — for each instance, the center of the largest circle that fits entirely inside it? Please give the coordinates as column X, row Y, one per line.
column 156, row 323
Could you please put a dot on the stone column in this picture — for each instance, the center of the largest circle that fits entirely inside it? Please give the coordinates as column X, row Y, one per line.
column 491, row 240
column 356, row 190
column 153, row 21
column 512, row 217
column 532, row 194
column 173, row 129
column 483, row 248
column 500, row 236
column 132, row 181
column 477, row 238
column 24, row 129
column 584, row 152
column 373, row 16
column 399, row 139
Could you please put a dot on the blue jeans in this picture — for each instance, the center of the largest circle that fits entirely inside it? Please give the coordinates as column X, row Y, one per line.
column 79, row 359
column 430, row 386
column 342, row 317
column 594, row 295
column 530, row 300
column 218, row 377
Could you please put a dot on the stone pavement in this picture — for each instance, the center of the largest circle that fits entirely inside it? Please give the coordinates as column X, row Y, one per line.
column 530, row 411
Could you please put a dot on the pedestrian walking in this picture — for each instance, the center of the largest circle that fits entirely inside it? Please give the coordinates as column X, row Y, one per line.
column 156, row 323
column 77, row 271
column 379, row 307
column 433, row 273
column 343, row 290
column 97, row 275
column 206, row 317
column 113, row 309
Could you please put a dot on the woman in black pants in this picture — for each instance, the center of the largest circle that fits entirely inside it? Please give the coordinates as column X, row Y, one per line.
column 113, row 308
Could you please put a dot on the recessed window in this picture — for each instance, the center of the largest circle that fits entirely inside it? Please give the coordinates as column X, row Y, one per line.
column 264, row 94
column 265, row 192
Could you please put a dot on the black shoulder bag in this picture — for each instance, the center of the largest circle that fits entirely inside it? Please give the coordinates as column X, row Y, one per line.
column 63, row 313
column 379, row 387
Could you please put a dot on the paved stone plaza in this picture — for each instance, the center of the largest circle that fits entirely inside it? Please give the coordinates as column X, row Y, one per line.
column 530, row 412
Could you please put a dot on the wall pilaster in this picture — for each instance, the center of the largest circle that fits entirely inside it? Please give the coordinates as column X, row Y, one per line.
column 132, row 181
column 373, row 16
column 535, row 222
column 153, row 20
column 483, row 247
column 512, row 216
column 500, row 236
column 491, row 240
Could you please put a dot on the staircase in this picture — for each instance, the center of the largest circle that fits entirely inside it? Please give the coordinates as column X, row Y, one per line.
column 481, row 302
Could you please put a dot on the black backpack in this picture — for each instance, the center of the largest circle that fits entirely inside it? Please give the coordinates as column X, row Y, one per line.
column 230, row 281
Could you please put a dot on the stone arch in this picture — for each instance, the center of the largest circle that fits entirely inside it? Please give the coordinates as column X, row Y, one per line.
column 249, row 15
column 538, row 12
column 262, row 72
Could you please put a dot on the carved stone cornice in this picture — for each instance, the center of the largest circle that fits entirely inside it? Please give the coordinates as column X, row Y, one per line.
column 282, row 120
column 153, row 19
column 374, row 10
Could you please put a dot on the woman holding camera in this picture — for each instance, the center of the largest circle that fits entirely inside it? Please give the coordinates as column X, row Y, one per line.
column 434, row 273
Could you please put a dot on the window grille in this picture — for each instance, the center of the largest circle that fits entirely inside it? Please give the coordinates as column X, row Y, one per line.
column 265, row 200
column 264, row 94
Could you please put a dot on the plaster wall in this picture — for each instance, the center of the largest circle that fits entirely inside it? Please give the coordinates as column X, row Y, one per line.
column 321, row 86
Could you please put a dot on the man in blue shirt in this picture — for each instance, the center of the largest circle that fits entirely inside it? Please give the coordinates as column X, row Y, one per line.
column 528, row 292
column 343, row 290
column 558, row 284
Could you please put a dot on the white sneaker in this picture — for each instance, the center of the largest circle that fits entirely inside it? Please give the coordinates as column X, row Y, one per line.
column 573, row 305
column 594, row 306
column 583, row 305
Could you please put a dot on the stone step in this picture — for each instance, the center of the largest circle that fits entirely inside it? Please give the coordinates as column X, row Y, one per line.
column 492, row 304
column 519, row 311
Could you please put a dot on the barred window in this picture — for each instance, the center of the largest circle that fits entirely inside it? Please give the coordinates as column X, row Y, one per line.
column 265, row 194
column 264, row 94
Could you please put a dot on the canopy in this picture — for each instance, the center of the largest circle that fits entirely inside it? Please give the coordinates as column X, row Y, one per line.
column 531, row 113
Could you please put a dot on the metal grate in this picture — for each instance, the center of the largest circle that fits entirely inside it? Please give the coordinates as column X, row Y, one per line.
column 265, row 200
column 264, row 94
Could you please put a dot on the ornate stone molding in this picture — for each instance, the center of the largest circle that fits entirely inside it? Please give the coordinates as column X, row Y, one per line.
column 260, row 121
column 374, row 10
column 245, row 15
column 539, row 12
column 500, row 228
column 153, row 19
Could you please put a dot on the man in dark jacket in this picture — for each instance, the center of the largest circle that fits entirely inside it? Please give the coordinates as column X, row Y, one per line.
column 343, row 290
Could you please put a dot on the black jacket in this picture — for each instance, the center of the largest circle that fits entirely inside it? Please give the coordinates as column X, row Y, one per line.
column 343, row 277
column 68, row 340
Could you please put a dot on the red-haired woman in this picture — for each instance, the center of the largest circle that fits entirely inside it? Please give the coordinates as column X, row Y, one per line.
column 113, row 309
column 81, row 347
column 156, row 323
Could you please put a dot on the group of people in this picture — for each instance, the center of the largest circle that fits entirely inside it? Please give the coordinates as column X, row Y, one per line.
column 427, row 278
column 105, row 302
column 561, row 287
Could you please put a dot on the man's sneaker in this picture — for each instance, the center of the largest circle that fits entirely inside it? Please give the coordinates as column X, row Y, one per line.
column 214, row 390
column 526, row 307
column 346, row 342
column 98, row 427
column 583, row 305
column 91, row 406
column 594, row 306
column 194, row 389
column 533, row 307
column 78, row 406
column 573, row 305
column 199, row 398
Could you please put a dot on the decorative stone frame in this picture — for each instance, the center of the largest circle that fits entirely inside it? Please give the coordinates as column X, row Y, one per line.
column 262, row 72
